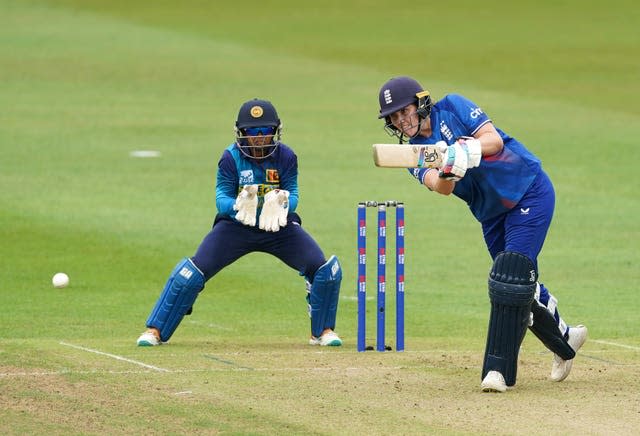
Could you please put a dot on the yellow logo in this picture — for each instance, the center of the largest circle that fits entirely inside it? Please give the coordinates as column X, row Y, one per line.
column 256, row 112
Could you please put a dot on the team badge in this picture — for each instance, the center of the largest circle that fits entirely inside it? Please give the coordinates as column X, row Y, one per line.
column 387, row 96
column 256, row 112
column 273, row 176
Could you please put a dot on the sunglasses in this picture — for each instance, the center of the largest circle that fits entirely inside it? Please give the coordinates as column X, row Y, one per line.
column 255, row 131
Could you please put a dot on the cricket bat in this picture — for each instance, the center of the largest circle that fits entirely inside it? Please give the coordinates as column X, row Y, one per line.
column 407, row 156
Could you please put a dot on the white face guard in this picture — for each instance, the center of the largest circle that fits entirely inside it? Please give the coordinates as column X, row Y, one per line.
column 422, row 107
column 258, row 142
column 413, row 119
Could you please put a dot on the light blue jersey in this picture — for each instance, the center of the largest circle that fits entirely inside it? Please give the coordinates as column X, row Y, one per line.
column 278, row 171
column 501, row 180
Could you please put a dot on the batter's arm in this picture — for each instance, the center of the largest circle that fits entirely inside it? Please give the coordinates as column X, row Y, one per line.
column 490, row 140
column 490, row 143
column 437, row 184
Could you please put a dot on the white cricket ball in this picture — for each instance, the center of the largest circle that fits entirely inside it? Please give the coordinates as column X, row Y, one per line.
column 60, row 280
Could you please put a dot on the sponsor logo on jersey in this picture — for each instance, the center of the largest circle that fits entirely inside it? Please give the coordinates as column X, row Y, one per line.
column 524, row 211
column 273, row 176
column 446, row 131
column 475, row 112
column 246, row 177
column 264, row 189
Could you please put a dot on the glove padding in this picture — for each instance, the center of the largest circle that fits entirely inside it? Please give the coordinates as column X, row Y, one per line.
column 247, row 204
column 473, row 148
column 274, row 210
column 454, row 161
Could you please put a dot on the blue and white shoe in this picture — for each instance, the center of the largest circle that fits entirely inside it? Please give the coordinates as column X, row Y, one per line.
column 149, row 338
column 329, row 338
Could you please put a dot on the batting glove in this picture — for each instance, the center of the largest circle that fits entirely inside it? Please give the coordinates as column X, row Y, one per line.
column 247, row 204
column 454, row 161
column 473, row 147
column 274, row 210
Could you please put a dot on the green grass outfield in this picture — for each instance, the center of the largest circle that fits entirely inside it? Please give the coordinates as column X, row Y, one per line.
column 85, row 83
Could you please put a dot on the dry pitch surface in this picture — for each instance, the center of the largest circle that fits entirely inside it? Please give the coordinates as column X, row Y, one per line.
column 181, row 388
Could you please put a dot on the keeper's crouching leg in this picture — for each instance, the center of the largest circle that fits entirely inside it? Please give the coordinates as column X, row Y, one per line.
column 180, row 292
column 324, row 295
column 512, row 285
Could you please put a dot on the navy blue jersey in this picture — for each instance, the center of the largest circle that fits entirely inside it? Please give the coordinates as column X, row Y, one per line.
column 278, row 171
column 501, row 180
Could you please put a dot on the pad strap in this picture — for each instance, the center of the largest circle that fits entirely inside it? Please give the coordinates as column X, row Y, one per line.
column 323, row 299
column 546, row 329
column 179, row 293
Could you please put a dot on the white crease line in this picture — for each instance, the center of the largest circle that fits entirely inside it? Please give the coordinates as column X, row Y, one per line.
column 124, row 359
column 187, row 371
column 630, row 347
column 65, row 372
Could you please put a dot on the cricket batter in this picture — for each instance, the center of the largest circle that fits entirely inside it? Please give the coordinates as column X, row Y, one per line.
column 256, row 199
column 508, row 192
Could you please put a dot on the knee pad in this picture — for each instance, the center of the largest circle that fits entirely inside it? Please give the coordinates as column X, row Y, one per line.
column 324, row 295
column 512, row 286
column 180, row 292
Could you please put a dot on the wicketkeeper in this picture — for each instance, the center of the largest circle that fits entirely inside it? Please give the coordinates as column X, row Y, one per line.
column 256, row 198
column 508, row 192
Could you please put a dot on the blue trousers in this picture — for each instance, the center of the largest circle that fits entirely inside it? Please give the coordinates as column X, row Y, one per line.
column 229, row 240
column 523, row 229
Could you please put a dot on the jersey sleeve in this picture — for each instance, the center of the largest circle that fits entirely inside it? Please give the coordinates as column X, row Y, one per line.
column 289, row 180
column 226, row 184
column 419, row 173
column 467, row 112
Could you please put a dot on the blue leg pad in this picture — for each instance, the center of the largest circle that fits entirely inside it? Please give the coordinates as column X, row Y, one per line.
column 323, row 299
column 184, row 284
column 512, row 286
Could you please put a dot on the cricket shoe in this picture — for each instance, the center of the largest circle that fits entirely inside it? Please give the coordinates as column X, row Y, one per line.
column 493, row 382
column 328, row 338
column 560, row 368
column 149, row 338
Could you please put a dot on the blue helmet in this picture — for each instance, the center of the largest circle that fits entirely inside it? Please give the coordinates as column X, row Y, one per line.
column 257, row 113
column 398, row 93
column 253, row 114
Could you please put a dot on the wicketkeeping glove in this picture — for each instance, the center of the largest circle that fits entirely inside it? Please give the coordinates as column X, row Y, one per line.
column 473, row 148
column 247, row 204
column 274, row 210
column 454, row 161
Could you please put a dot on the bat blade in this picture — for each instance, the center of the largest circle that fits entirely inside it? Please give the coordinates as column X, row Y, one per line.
column 407, row 156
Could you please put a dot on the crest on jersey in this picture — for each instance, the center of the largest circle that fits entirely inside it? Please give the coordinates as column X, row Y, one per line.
column 273, row 176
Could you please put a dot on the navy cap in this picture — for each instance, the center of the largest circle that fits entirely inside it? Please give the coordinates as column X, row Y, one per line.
column 398, row 93
column 257, row 113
